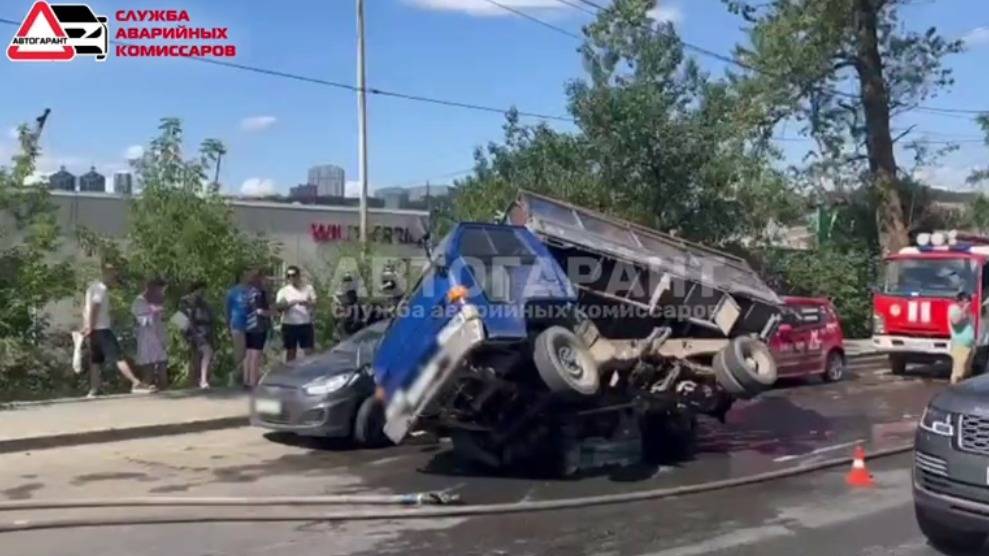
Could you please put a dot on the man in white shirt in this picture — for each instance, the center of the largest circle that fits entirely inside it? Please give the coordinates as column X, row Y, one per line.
column 104, row 348
column 296, row 301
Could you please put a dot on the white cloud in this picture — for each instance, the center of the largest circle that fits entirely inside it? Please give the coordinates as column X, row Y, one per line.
column 257, row 187
column 133, row 152
column 13, row 133
column 486, row 9
column 257, row 123
column 663, row 13
column 977, row 37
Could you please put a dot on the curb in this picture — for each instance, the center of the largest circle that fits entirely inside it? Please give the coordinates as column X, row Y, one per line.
column 113, row 435
column 175, row 393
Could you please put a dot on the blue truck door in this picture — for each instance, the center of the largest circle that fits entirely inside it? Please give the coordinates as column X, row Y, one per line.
column 412, row 336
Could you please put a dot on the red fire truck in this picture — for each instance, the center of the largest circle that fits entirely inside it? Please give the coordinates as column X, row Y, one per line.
column 910, row 308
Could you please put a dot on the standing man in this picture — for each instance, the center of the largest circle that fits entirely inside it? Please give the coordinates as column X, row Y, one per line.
column 258, row 325
column 152, row 338
column 237, row 321
column 962, row 337
column 296, row 301
column 104, row 347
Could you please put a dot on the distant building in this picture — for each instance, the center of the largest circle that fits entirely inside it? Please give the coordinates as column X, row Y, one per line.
column 123, row 183
column 92, row 182
column 62, row 180
column 393, row 197
column 418, row 194
column 304, row 193
column 328, row 179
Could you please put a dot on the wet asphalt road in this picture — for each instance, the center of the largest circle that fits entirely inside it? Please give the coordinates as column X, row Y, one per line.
column 798, row 423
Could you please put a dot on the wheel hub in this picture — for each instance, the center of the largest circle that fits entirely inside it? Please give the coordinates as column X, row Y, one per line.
column 568, row 358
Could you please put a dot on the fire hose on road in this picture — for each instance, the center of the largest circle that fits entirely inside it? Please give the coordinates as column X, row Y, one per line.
column 444, row 508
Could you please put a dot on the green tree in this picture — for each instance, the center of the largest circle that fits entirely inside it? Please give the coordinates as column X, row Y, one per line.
column 654, row 142
column 982, row 174
column 802, row 54
column 180, row 228
column 31, row 273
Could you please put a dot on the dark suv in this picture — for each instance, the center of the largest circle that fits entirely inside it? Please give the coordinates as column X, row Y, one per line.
column 951, row 466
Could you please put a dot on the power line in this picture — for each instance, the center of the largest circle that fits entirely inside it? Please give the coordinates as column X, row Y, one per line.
column 723, row 58
column 353, row 88
column 535, row 19
column 592, row 4
column 577, row 7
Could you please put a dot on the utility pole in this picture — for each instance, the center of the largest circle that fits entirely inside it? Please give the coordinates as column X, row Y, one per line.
column 361, row 121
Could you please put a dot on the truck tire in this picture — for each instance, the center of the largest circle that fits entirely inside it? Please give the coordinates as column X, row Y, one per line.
column 369, row 425
column 948, row 538
column 564, row 363
column 897, row 364
column 726, row 379
column 749, row 362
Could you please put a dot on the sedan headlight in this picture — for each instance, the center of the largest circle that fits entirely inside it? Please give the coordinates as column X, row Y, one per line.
column 878, row 324
column 938, row 421
column 328, row 384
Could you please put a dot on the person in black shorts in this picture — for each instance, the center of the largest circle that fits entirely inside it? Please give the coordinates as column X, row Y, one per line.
column 258, row 325
column 296, row 301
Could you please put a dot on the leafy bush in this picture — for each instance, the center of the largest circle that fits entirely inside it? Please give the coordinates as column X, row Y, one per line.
column 846, row 276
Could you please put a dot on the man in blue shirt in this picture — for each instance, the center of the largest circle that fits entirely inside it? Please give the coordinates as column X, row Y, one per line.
column 237, row 299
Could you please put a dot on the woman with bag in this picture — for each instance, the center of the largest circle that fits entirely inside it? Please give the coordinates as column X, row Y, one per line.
column 198, row 332
column 152, row 337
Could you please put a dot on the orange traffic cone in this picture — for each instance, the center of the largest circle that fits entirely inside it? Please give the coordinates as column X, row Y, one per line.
column 859, row 476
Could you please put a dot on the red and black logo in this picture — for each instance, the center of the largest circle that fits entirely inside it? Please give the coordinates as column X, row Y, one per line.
column 59, row 33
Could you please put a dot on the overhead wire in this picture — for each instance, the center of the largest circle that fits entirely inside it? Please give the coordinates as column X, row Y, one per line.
column 353, row 88
column 724, row 58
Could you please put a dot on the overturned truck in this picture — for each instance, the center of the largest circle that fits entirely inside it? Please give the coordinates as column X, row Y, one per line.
column 562, row 335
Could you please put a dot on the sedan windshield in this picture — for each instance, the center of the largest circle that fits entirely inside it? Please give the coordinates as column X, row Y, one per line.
column 930, row 277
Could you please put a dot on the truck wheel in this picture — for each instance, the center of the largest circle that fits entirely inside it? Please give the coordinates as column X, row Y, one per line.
column 726, row 379
column 749, row 362
column 564, row 363
column 949, row 538
column 369, row 425
column 897, row 364
column 834, row 368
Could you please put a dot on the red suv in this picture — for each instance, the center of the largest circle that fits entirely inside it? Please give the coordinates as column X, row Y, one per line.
column 809, row 340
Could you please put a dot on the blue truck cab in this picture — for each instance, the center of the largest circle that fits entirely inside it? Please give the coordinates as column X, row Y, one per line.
column 483, row 284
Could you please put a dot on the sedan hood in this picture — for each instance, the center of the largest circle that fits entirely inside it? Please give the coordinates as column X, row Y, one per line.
column 970, row 397
column 303, row 371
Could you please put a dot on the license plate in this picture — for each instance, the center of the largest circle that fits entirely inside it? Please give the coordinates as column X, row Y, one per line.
column 268, row 407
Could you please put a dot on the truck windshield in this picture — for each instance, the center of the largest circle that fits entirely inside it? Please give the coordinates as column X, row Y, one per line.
column 930, row 277
column 500, row 261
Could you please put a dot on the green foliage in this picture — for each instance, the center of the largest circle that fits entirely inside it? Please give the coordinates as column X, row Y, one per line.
column 181, row 230
column 981, row 174
column 31, row 275
column 803, row 55
column 654, row 143
column 844, row 275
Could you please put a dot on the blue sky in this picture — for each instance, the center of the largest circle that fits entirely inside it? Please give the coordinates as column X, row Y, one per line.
column 465, row 50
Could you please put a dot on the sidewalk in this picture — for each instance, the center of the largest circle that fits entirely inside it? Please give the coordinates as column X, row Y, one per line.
column 859, row 348
column 38, row 425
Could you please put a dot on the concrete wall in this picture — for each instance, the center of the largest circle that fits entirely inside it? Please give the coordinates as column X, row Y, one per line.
column 308, row 234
